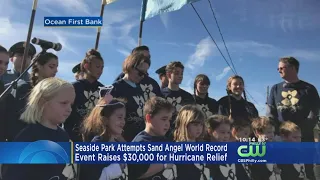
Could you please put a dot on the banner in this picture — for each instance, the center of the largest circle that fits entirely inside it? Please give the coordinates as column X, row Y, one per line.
column 72, row 21
column 151, row 8
column 150, row 153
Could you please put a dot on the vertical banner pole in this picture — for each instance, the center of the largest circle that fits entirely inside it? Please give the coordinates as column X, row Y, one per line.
column 26, row 50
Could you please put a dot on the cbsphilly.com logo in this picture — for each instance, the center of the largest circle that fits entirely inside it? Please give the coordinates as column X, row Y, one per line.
column 254, row 150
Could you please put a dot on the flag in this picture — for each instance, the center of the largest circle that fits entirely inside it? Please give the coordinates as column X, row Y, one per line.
column 108, row 1
column 151, row 8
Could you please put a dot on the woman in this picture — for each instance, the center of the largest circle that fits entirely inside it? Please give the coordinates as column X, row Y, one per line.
column 135, row 68
column 208, row 105
column 234, row 105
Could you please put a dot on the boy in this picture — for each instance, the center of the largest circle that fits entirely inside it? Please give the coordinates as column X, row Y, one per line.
column 241, row 131
column 264, row 128
column 290, row 132
column 163, row 77
column 158, row 114
column 173, row 93
column 16, row 57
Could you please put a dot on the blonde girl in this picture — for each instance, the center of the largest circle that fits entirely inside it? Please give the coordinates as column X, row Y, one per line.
column 49, row 105
column 190, row 128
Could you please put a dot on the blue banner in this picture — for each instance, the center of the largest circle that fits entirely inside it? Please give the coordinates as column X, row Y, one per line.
column 39, row 152
column 184, row 153
column 72, row 21
column 48, row 152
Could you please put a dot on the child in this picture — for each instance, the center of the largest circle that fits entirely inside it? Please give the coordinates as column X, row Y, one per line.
column 208, row 105
column 264, row 129
column 158, row 114
column 234, row 105
column 190, row 128
column 106, row 121
column 173, row 93
column 135, row 68
column 87, row 93
column 290, row 132
column 49, row 104
column 45, row 67
column 219, row 130
column 241, row 131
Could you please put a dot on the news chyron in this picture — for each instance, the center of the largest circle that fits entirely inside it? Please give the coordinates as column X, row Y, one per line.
column 73, row 22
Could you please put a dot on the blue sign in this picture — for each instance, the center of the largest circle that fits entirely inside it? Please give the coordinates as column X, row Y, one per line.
column 38, row 152
column 73, row 21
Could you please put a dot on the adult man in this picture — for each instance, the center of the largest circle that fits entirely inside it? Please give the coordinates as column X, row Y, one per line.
column 163, row 77
column 294, row 100
column 16, row 57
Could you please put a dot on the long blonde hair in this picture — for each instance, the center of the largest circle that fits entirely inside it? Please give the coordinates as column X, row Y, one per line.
column 43, row 92
column 188, row 114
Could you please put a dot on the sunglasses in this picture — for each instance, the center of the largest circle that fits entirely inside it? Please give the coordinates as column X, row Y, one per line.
column 141, row 73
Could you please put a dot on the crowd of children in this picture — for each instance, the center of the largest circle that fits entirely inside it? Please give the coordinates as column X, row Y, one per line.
column 135, row 109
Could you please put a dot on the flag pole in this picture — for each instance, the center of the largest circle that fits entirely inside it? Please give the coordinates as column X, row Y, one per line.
column 142, row 18
column 99, row 28
column 27, row 44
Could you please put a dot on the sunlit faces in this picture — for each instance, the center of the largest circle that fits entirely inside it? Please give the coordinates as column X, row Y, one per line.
column 139, row 72
column 285, row 70
column 202, row 87
column 116, row 121
column 222, row 133
column 49, row 69
column 237, row 87
column 160, row 122
column 195, row 130
column 58, row 109
column 96, row 68
column 293, row 137
column 176, row 76
column 17, row 61
column 4, row 61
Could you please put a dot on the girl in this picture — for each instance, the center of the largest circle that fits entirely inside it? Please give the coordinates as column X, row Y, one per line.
column 135, row 68
column 49, row 104
column 45, row 67
column 87, row 93
column 208, row 105
column 106, row 121
column 234, row 105
column 190, row 128
column 219, row 130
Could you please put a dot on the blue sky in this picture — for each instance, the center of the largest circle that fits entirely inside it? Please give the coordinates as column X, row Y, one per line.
column 257, row 33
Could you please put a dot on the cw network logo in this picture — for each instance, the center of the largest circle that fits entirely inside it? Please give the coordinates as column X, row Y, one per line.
column 44, row 152
column 254, row 149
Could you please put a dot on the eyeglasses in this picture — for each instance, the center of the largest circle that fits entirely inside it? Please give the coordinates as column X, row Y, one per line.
column 141, row 73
